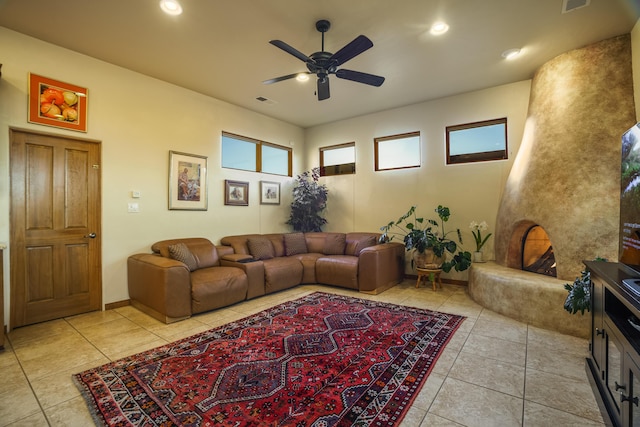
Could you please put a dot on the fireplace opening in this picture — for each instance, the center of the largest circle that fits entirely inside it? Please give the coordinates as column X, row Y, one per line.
column 537, row 252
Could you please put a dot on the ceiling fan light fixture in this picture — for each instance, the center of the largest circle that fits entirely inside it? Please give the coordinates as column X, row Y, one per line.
column 171, row 7
column 439, row 28
column 511, row 53
column 302, row 77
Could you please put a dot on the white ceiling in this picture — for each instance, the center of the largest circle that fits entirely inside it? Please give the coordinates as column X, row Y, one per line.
column 220, row 47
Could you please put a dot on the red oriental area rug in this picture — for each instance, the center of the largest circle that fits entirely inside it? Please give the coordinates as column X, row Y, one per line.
column 321, row 360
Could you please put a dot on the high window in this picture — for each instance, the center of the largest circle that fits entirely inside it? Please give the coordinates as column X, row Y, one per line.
column 338, row 159
column 241, row 152
column 397, row 151
column 477, row 142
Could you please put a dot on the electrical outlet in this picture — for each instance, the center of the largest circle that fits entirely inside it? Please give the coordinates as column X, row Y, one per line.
column 133, row 207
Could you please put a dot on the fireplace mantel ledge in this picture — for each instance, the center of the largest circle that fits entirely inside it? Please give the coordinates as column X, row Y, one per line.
column 528, row 297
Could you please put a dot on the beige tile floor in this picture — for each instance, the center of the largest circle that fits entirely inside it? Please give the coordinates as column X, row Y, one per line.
column 494, row 372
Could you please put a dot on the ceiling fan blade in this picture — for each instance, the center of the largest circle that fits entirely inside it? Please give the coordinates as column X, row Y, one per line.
column 357, row 76
column 290, row 50
column 282, row 78
column 323, row 88
column 355, row 48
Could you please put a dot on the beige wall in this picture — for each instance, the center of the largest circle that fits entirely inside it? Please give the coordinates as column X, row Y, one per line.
column 138, row 120
column 367, row 200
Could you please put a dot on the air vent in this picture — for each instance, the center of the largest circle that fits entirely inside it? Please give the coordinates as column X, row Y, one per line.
column 571, row 5
column 265, row 100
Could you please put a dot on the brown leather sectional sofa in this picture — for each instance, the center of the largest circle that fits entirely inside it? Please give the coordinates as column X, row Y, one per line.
column 192, row 275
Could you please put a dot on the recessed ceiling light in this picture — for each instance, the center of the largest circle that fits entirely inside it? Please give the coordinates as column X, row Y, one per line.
column 171, row 7
column 302, row 77
column 439, row 28
column 511, row 53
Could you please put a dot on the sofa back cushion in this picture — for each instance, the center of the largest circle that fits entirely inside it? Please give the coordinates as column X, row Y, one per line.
column 356, row 242
column 240, row 243
column 334, row 244
column 202, row 250
column 277, row 240
column 326, row 243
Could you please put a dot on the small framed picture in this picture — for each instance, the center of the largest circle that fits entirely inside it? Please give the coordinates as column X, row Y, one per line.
column 269, row 193
column 187, row 182
column 236, row 193
column 54, row 103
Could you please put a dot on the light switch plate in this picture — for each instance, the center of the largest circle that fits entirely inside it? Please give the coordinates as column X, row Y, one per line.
column 133, row 207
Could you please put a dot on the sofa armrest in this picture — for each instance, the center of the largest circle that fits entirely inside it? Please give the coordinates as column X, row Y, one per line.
column 237, row 257
column 380, row 267
column 254, row 271
column 161, row 284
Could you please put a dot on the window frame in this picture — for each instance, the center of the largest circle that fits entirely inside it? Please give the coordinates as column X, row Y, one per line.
column 485, row 156
column 258, row 144
column 400, row 136
column 338, row 169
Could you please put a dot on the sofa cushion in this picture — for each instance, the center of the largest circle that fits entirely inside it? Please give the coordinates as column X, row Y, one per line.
column 294, row 244
column 334, row 244
column 260, row 248
column 281, row 273
column 180, row 252
column 339, row 270
column 217, row 287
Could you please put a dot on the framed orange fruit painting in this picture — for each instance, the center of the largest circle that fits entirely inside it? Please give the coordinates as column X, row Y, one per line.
column 55, row 103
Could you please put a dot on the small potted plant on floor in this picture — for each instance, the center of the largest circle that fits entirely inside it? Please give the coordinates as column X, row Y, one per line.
column 476, row 230
column 579, row 297
column 429, row 240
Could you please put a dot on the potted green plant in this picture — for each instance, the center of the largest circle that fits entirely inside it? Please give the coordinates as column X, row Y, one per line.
column 309, row 200
column 431, row 237
column 476, row 230
column 579, row 297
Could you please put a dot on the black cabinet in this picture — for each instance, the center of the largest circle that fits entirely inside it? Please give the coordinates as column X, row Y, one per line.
column 614, row 362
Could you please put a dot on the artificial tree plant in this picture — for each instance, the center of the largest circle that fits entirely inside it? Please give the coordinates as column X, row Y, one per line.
column 309, row 201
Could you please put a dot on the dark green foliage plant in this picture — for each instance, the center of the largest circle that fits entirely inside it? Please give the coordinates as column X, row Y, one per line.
column 309, row 201
column 579, row 297
column 432, row 236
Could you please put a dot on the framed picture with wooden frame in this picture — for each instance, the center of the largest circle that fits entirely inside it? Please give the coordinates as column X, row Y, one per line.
column 269, row 193
column 58, row 104
column 236, row 193
column 187, row 182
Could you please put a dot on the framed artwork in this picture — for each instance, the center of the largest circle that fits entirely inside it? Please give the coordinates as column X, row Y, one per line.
column 236, row 193
column 187, row 182
column 269, row 193
column 54, row 103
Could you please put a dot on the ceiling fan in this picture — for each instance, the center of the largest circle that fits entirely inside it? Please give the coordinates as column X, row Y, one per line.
column 322, row 63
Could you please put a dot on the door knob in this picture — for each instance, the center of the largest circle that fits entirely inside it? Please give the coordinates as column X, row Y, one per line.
column 91, row 235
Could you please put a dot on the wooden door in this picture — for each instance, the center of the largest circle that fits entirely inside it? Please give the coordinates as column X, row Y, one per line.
column 55, row 227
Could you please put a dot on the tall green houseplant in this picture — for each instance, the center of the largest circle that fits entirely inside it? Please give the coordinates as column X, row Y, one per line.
column 309, row 201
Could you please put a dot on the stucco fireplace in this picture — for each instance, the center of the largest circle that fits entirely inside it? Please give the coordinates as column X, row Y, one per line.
column 565, row 179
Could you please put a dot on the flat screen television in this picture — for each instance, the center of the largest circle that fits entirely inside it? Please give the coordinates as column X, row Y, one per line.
column 630, row 199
